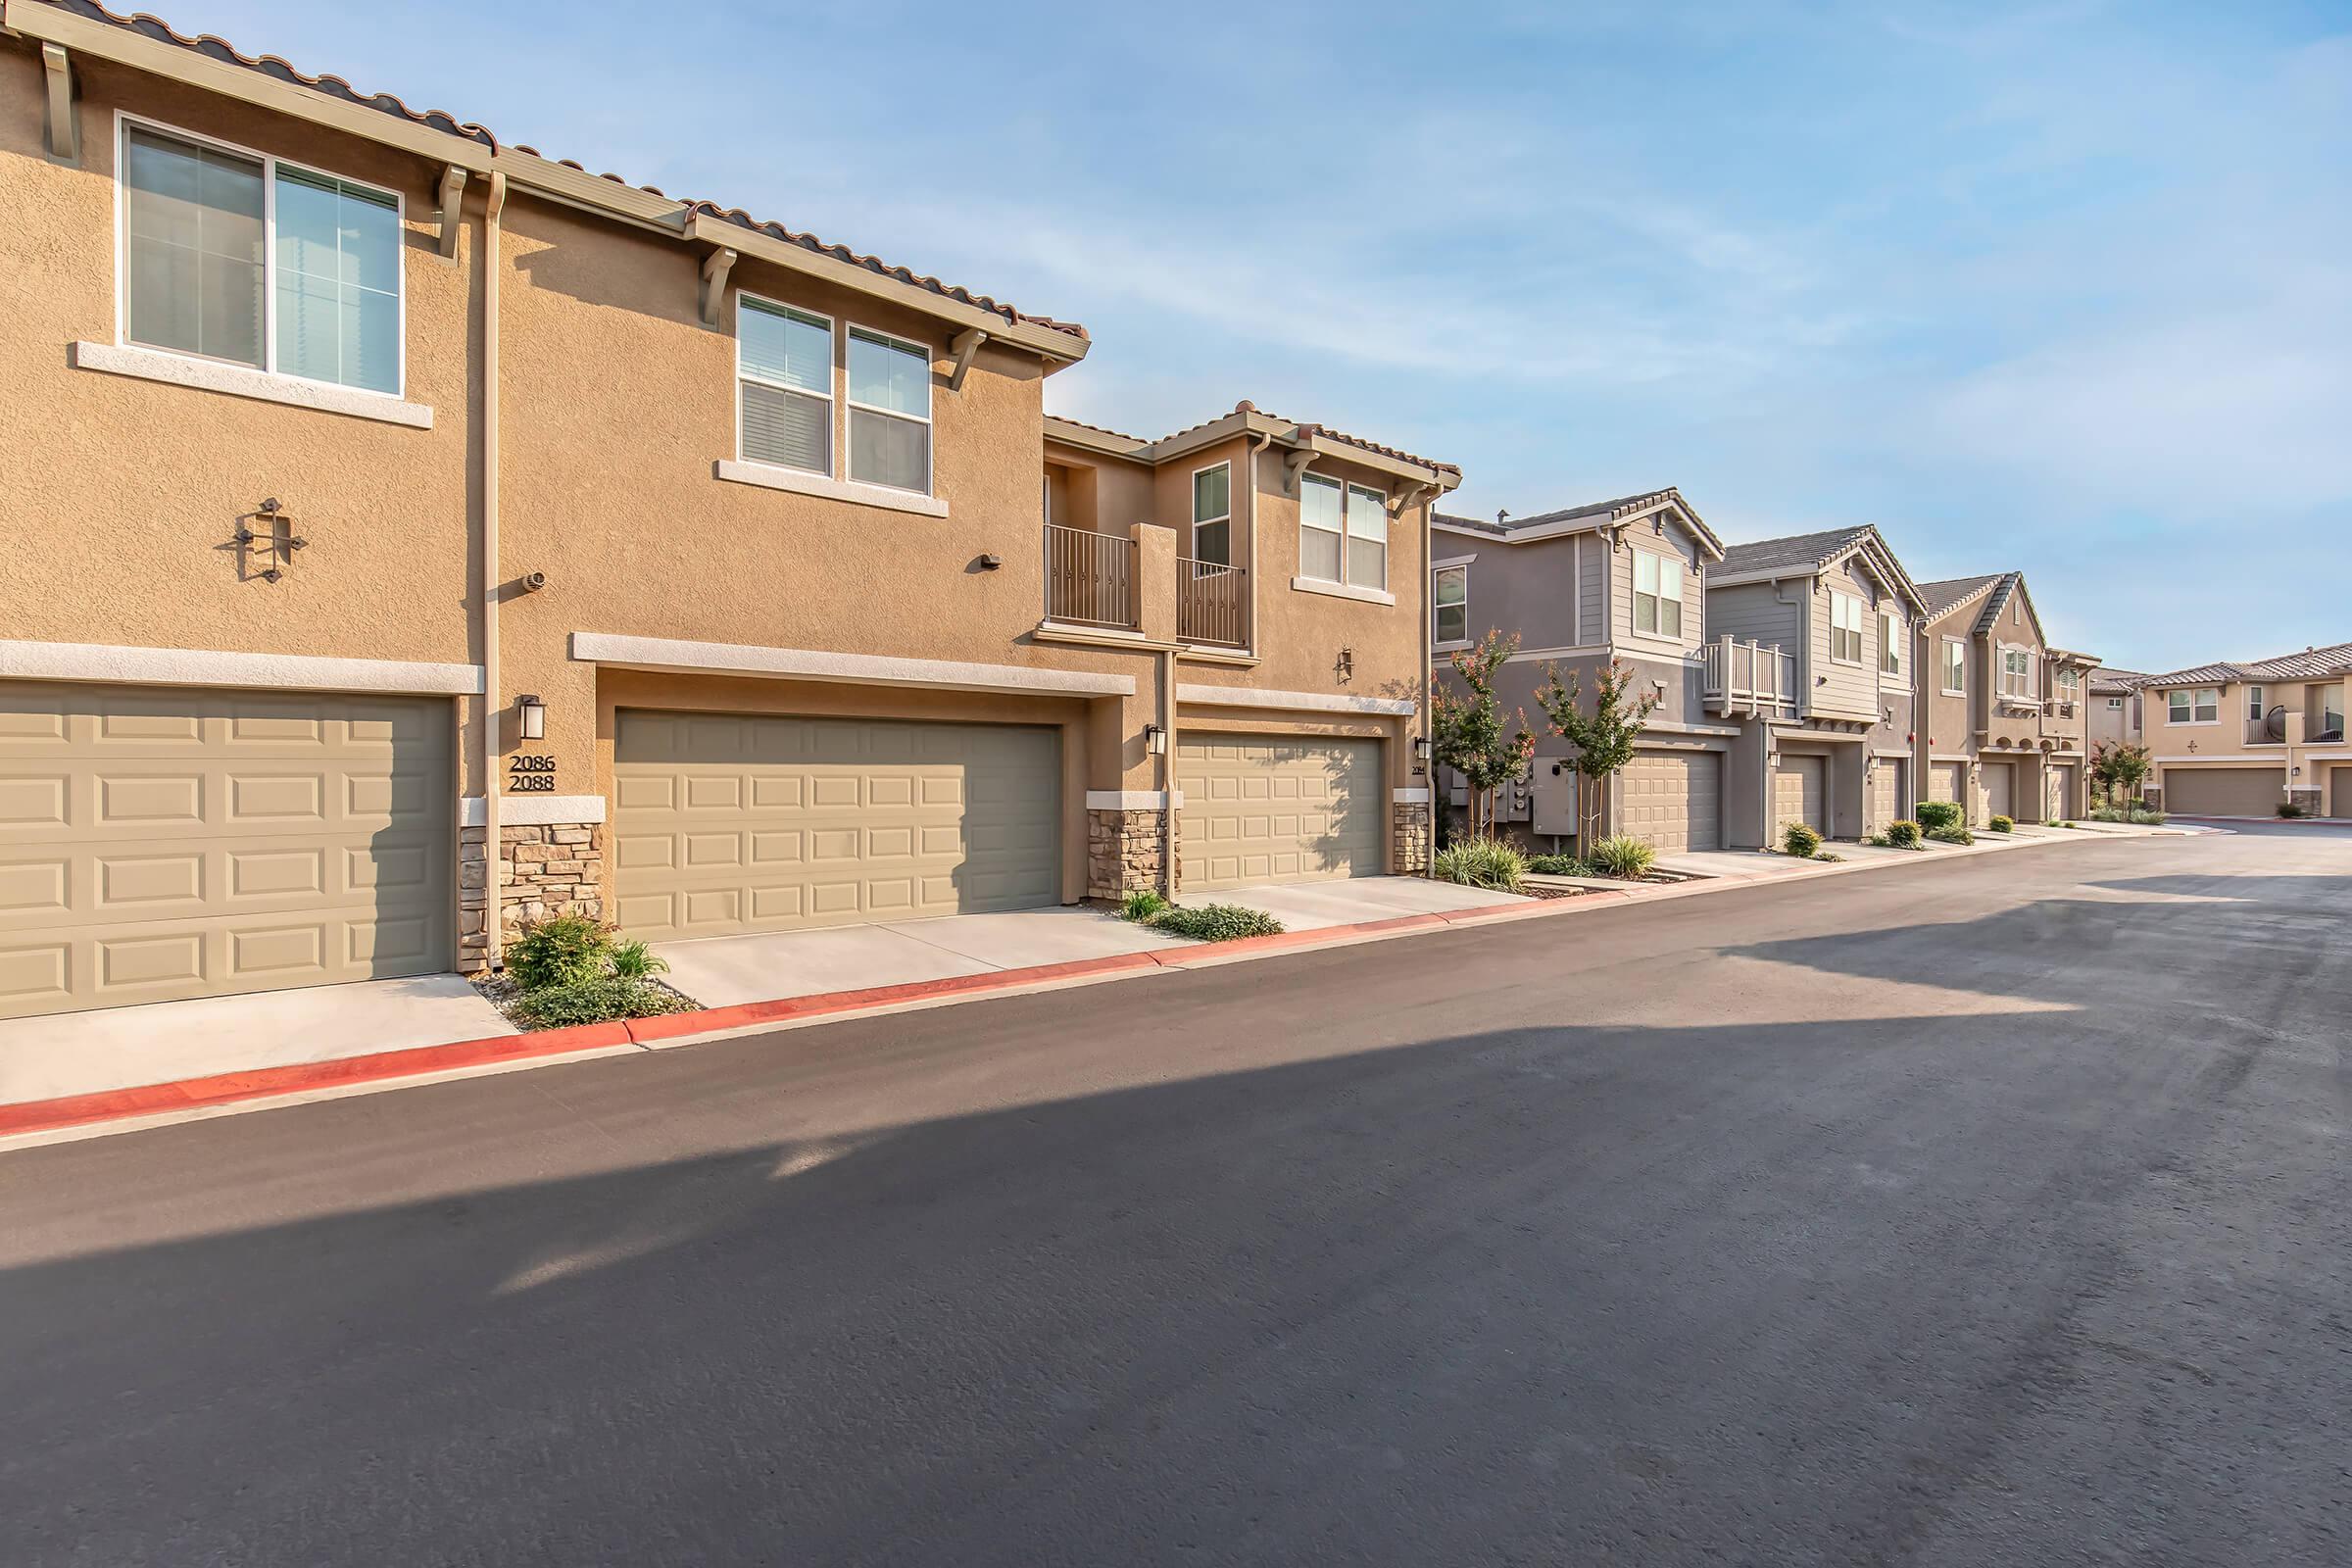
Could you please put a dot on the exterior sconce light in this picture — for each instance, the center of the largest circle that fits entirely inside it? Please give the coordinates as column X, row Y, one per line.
column 1421, row 749
column 533, row 713
column 991, row 562
column 1347, row 664
column 1155, row 740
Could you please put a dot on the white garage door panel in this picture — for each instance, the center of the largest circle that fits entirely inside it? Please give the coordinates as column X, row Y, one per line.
column 1266, row 809
column 1674, row 800
column 730, row 823
column 157, row 845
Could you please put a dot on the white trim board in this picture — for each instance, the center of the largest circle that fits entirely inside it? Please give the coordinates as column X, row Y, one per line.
column 198, row 666
column 810, row 663
column 769, row 476
column 244, row 381
column 534, row 810
column 1418, row 797
column 1307, row 702
column 1132, row 799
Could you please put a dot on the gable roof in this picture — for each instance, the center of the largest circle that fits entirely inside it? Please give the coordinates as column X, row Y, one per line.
column 2111, row 682
column 1592, row 514
column 1949, row 593
column 1811, row 554
column 2330, row 662
column 146, row 42
column 1248, row 417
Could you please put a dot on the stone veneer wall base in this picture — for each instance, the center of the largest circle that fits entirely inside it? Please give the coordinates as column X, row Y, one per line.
column 1124, row 851
column 553, row 869
column 1408, row 852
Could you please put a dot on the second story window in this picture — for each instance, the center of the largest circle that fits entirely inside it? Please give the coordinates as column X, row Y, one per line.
column 2187, row 707
column 1890, row 645
column 890, row 412
column 2017, row 672
column 1342, row 533
column 2254, row 702
column 1213, row 515
column 1449, row 601
column 1845, row 628
column 233, row 256
column 1955, row 666
column 1657, row 595
column 2070, row 685
column 784, row 360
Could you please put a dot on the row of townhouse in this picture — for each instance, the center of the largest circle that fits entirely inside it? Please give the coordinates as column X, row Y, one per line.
column 419, row 535
column 2237, row 739
column 1805, row 679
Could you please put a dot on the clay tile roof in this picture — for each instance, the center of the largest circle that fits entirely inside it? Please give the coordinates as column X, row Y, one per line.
column 1402, row 455
column 1610, row 509
column 1944, row 595
column 2197, row 675
column 2313, row 664
column 219, row 49
column 1793, row 552
column 2111, row 682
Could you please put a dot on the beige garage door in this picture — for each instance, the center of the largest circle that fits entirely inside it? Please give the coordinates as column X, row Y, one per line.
column 728, row 823
column 1672, row 800
column 2062, row 791
column 2000, row 790
column 1943, row 782
column 1887, row 792
column 159, row 843
column 1799, row 792
column 2224, row 791
column 2340, row 791
column 1271, row 808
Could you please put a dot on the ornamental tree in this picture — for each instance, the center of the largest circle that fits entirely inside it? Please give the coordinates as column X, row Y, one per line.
column 1603, row 739
column 1468, row 732
column 2119, row 767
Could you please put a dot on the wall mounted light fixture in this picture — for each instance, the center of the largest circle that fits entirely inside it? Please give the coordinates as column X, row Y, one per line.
column 1155, row 740
column 532, row 713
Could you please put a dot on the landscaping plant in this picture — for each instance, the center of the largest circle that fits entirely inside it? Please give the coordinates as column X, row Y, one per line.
column 1933, row 815
column 2289, row 809
column 568, row 969
column 1801, row 841
column 2119, row 767
column 1142, row 905
column 1215, row 923
column 1903, row 834
column 1560, row 865
column 1951, row 833
column 2003, row 824
column 1624, row 856
column 1483, row 863
column 1603, row 738
column 1469, row 734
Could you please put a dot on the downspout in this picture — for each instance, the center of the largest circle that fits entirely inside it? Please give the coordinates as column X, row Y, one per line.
column 1167, row 774
column 1425, row 740
column 494, row 861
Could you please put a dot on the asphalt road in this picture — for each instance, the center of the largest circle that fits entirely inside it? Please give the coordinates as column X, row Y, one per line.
column 1995, row 1213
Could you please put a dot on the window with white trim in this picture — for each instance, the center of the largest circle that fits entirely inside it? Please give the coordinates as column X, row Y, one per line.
column 2070, row 685
column 1342, row 533
column 2017, row 672
column 1955, row 666
column 237, row 257
column 1449, row 599
column 1367, row 538
column 2254, row 702
column 784, row 386
column 2115, row 705
column 1845, row 628
column 1890, row 645
column 890, row 412
column 1657, row 593
column 1213, row 515
column 2201, row 705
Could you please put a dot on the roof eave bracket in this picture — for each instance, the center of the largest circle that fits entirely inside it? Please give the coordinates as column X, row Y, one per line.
column 1293, row 464
column 965, row 344
column 62, row 133
column 452, row 216
column 715, row 268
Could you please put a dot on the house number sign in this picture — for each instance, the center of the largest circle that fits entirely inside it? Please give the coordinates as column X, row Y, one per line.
column 531, row 775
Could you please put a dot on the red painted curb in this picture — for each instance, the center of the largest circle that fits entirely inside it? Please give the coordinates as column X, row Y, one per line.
column 221, row 1089
column 669, row 1026
column 1208, row 953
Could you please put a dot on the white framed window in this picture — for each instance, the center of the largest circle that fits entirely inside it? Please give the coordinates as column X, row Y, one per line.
column 1450, row 603
column 1367, row 538
column 2115, row 705
column 2254, row 702
column 1213, row 515
column 1955, row 666
column 784, row 385
column 2017, row 672
column 1890, row 645
column 232, row 255
column 1845, row 628
column 2186, row 705
column 1657, row 593
column 890, row 411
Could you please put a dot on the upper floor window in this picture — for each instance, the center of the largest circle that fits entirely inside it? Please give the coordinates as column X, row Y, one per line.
column 2187, row 707
column 2069, row 684
column 1890, row 643
column 1845, row 628
column 1213, row 515
column 1657, row 593
column 890, row 412
column 2017, row 672
column 1343, row 532
column 2115, row 705
column 234, row 256
column 1449, row 597
column 784, row 364
column 1955, row 666
column 2254, row 702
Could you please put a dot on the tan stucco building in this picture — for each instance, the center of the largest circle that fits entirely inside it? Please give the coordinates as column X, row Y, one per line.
column 2005, row 720
column 398, row 492
column 2244, row 738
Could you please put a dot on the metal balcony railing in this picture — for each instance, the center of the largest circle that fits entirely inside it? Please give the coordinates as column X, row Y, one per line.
column 1090, row 579
column 1213, row 603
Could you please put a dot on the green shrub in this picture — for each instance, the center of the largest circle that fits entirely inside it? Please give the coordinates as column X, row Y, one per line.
column 2289, row 809
column 1951, row 833
column 599, row 1000
column 1828, row 854
column 1933, row 815
column 1215, row 923
column 2003, row 824
column 1483, row 863
column 2145, row 817
column 1142, row 905
column 1622, row 856
column 1801, row 841
column 1903, row 834
column 1559, row 865
column 634, row 960
column 561, row 950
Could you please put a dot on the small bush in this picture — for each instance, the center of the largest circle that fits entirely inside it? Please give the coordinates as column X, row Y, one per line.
column 1144, row 904
column 1903, row 834
column 2003, row 824
column 1483, row 863
column 1933, row 815
column 1217, row 922
column 2147, row 818
column 2289, row 809
column 1951, row 833
column 634, row 960
column 1828, row 854
column 562, row 951
column 1801, row 841
column 1624, row 856
column 1560, row 865
column 595, row 1000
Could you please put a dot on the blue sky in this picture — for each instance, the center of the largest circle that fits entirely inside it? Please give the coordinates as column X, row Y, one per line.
column 2062, row 287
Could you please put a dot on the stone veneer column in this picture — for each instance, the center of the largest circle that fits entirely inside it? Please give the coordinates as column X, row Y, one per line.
column 1122, row 851
column 1409, row 840
column 553, row 869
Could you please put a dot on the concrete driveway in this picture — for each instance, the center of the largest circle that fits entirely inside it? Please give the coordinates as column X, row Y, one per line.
column 1994, row 1212
column 1317, row 905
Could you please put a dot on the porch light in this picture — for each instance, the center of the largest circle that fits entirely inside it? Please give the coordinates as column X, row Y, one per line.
column 1421, row 749
column 533, row 713
column 1155, row 740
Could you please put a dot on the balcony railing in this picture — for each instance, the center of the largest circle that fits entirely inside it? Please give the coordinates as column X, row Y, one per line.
column 1090, row 579
column 1213, row 603
column 1737, row 678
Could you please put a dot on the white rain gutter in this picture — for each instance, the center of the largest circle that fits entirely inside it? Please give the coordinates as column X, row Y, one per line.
column 494, row 861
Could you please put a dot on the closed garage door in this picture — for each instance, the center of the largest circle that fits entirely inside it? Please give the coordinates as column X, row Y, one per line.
column 1887, row 792
column 1672, row 800
column 1943, row 782
column 729, row 823
column 2224, row 791
column 157, row 845
column 1800, row 792
column 2000, row 791
column 1267, row 809
column 2340, row 792
column 2062, row 791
